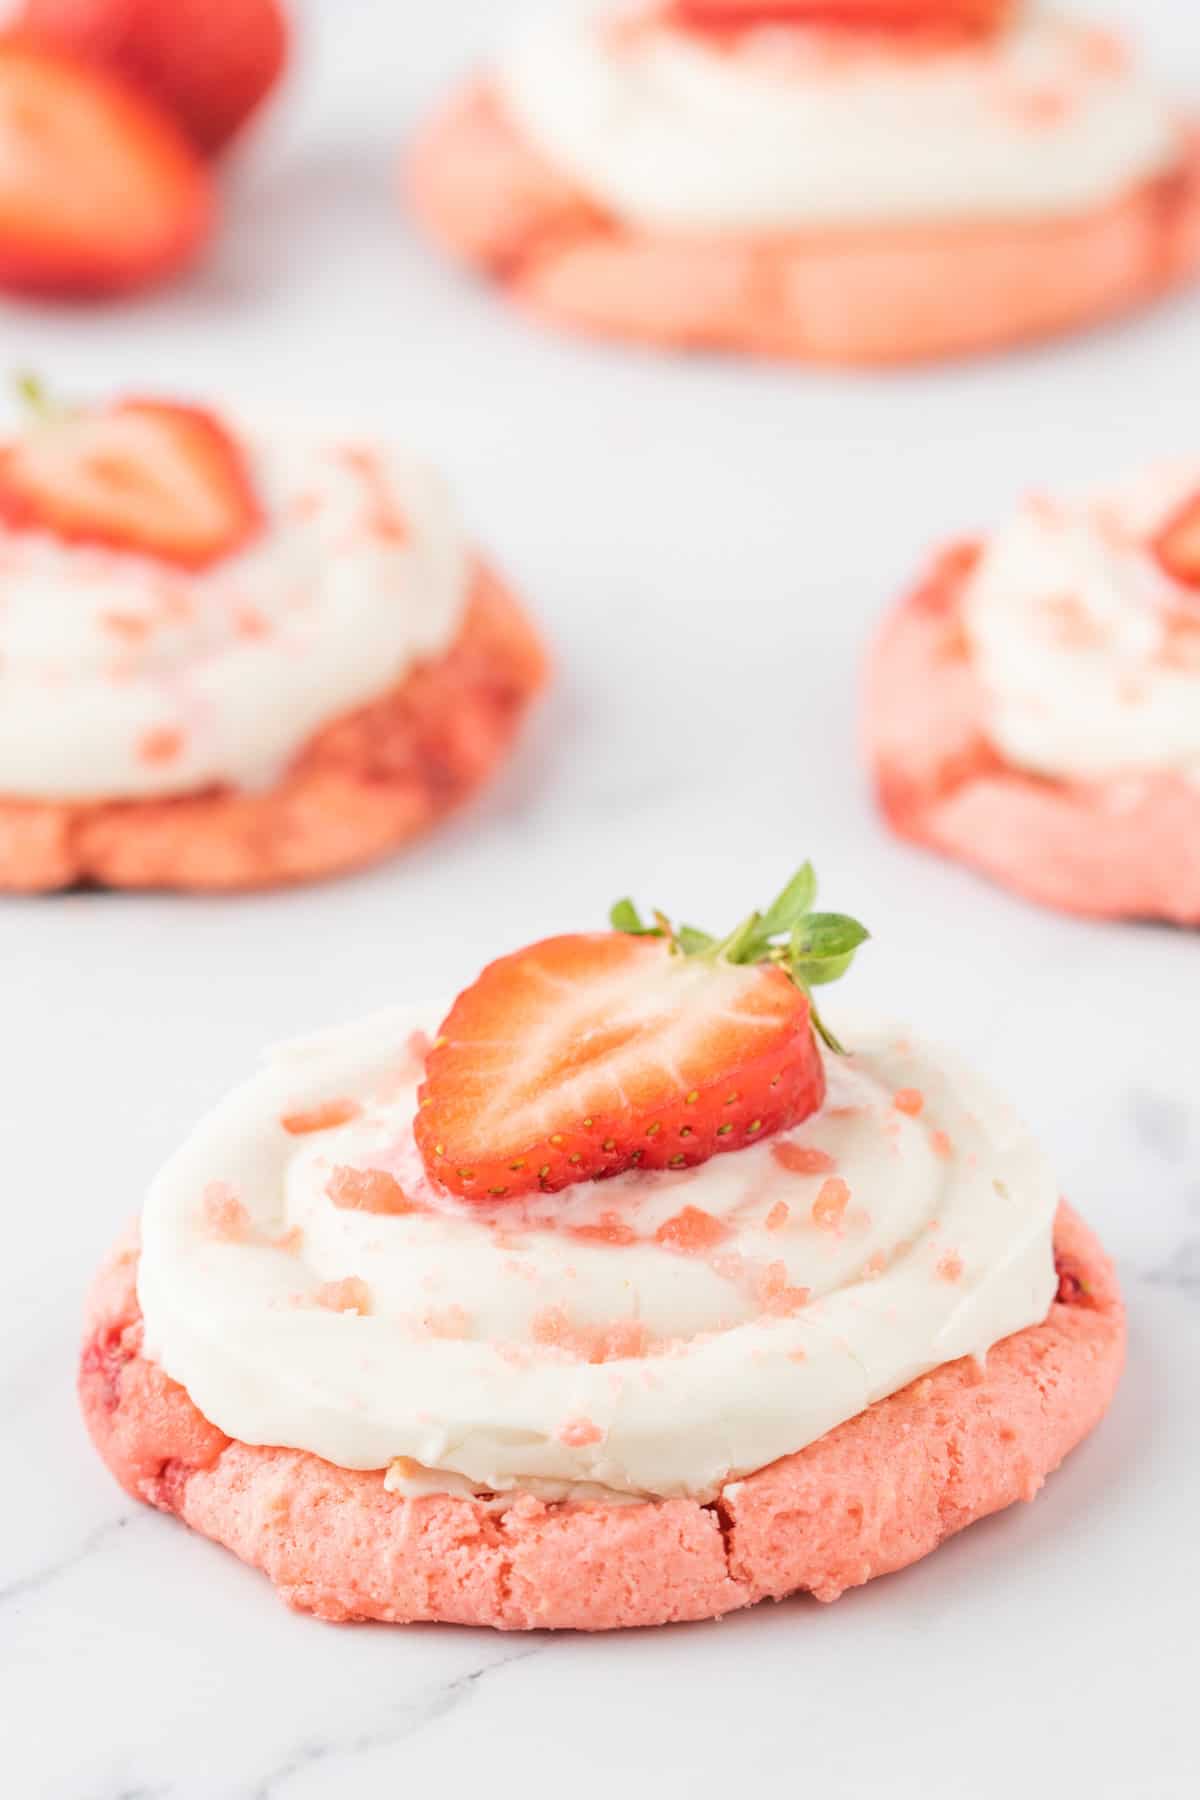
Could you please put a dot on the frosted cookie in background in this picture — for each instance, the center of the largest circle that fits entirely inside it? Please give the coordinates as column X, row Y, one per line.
column 817, row 179
column 1033, row 706
column 229, row 662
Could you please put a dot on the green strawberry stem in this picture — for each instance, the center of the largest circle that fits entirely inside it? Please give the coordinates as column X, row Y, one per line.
column 813, row 948
column 35, row 397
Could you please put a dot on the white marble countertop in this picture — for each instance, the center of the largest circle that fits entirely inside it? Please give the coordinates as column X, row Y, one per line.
column 708, row 546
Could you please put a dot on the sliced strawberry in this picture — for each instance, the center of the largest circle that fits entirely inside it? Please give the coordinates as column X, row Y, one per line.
column 583, row 1056
column 1177, row 545
column 653, row 1047
column 210, row 63
column 140, row 475
column 871, row 15
column 99, row 193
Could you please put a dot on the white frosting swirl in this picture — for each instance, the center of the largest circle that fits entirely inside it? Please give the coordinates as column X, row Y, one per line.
column 122, row 677
column 1087, row 650
column 561, row 1344
column 796, row 127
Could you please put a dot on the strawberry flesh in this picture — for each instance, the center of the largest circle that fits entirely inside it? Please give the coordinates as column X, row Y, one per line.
column 142, row 475
column 1177, row 546
column 584, row 1056
column 99, row 192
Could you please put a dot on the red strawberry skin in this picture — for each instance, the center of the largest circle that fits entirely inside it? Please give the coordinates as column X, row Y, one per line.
column 145, row 475
column 209, row 63
column 99, row 193
column 1177, row 546
column 584, row 1056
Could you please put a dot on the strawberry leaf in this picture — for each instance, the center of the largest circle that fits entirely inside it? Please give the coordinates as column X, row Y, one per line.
column 625, row 917
column 786, row 911
column 812, row 948
column 34, row 397
column 822, row 948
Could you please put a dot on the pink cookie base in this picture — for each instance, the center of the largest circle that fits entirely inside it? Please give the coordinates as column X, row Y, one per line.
column 367, row 784
column 1125, row 848
column 876, row 1494
column 869, row 295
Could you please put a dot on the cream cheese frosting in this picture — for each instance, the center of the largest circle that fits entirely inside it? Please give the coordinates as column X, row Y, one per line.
column 787, row 127
column 1086, row 650
column 653, row 1335
column 122, row 677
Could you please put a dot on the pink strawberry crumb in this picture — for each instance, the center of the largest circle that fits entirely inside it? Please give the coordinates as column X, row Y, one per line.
column 608, row 1229
column 777, row 1296
column 324, row 1117
column 224, row 1215
column 692, row 1232
column 617, row 1341
column 369, row 1191
column 1104, row 51
column 829, row 1207
column 160, row 745
column 551, row 1327
column 350, row 1295
column 802, row 1159
column 1046, row 107
column 577, row 1434
column 131, row 628
column 778, row 1216
column 940, row 1144
column 729, row 1265
column 910, row 1101
column 249, row 623
column 385, row 519
column 950, row 1267
column 622, row 1341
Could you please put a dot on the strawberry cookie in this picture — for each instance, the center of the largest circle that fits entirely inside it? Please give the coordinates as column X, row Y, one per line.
column 842, row 181
column 226, row 663
column 626, row 1296
column 1034, row 705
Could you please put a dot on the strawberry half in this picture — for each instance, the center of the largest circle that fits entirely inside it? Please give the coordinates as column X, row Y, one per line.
column 869, row 15
column 143, row 475
column 583, row 1056
column 99, row 193
column 1177, row 545
column 210, row 63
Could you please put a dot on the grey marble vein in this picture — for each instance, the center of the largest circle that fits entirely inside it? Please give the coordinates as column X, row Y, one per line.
column 407, row 1718
column 37, row 1579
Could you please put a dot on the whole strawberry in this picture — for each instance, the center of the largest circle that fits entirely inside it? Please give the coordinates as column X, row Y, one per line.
column 100, row 192
column 644, row 1047
column 209, row 63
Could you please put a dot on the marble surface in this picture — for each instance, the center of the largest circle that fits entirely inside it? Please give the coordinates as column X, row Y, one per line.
column 708, row 546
